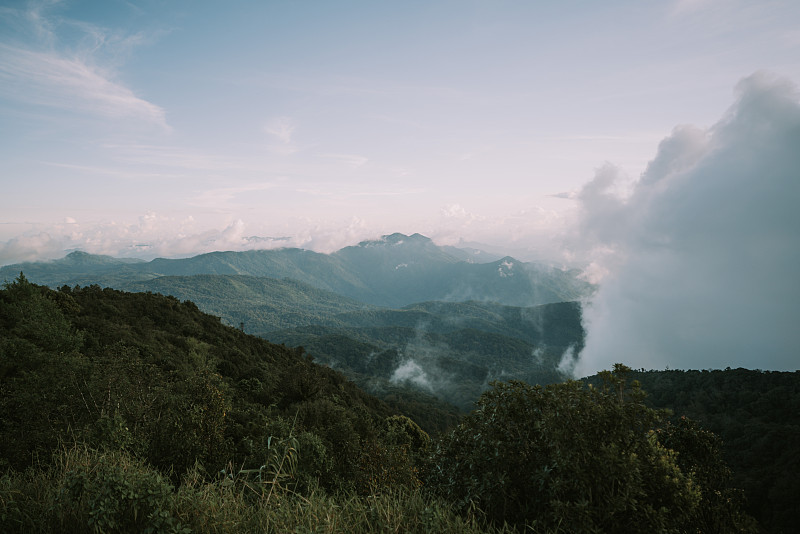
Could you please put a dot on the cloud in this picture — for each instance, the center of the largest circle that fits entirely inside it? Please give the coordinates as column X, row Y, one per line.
column 701, row 256
column 410, row 371
column 156, row 235
column 223, row 198
column 282, row 131
column 70, row 83
column 61, row 65
column 352, row 161
column 35, row 247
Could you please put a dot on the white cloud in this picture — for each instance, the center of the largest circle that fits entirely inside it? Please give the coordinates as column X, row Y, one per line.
column 224, row 197
column 701, row 258
column 70, row 84
column 35, row 247
column 282, row 132
column 155, row 235
column 352, row 161
column 282, row 128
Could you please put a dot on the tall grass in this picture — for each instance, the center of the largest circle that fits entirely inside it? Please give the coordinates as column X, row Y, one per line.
column 85, row 490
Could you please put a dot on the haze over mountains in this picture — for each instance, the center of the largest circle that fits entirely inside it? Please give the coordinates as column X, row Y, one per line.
column 394, row 271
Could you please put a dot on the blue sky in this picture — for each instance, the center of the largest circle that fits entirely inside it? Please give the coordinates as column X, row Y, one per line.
column 169, row 128
column 655, row 144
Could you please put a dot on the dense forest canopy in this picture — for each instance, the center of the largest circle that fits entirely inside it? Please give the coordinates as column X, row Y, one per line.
column 133, row 411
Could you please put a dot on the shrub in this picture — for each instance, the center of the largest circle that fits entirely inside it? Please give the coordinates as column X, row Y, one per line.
column 565, row 457
column 112, row 491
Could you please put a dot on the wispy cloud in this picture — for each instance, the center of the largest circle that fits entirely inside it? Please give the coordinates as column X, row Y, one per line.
column 352, row 161
column 47, row 79
column 73, row 75
column 178, row 157
column 281, row 131
column 223, row 197
column 282, row 128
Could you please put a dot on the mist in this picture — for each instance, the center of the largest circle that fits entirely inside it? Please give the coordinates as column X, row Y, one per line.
column 700, row 254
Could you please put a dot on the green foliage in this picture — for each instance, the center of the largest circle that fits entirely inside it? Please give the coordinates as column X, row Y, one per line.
column 169, row 384
column 114, row 492
column 92, row 491
column 34, row 314
column 160, row 417
column 462, row 345
column 756, row 414
column 565, row 456
column 700, row 454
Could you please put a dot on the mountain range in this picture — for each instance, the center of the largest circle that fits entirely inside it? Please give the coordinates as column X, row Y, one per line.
column 394, row 271
column 398, row 312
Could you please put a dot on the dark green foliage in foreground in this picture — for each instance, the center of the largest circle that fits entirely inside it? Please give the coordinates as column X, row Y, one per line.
column 700, row 454
column 91, row 491
column 126, row 412
column 579, row 459
column 172, row 385
column 756, row 414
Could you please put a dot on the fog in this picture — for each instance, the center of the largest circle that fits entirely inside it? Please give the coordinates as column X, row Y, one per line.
column 700, row 254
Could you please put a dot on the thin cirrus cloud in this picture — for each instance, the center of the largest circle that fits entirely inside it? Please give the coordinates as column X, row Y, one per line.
column 70, row 84
column 281, row 132
column 225, row 197
column 352, row 161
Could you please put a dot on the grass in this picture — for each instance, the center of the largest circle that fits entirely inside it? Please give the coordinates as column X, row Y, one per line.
column 85, row 490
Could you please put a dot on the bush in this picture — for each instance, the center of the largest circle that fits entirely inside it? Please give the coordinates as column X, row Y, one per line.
column 112, row 491
column 565, row 457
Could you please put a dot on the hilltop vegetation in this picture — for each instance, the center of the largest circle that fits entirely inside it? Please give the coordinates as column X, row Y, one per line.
column 756, row 414
column 451, row 349
column 129, row 412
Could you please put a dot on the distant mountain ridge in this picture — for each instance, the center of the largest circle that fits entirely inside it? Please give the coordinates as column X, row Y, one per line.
column 452, row 349
column 396, row 270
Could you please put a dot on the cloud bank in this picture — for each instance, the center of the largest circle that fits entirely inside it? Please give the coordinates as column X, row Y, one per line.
column 702, row 255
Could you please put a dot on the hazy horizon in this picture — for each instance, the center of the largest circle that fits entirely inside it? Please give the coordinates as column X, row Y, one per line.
column 654, row 144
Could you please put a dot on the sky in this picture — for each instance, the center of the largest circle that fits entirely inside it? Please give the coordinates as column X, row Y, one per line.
column 625, row 137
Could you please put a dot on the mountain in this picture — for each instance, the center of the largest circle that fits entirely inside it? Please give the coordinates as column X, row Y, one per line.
column 75, row 268
column 454, row 349
column 396, row 312
column 394, row 271
column 155, row 410
column 259, row 304
column 107, row 370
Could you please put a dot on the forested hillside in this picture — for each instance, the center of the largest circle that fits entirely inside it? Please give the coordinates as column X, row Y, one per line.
column 757, row 416
column 451, row 349
column 134, row 411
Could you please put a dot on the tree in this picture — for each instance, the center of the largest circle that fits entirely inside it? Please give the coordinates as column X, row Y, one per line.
column 567, row 457
column 700, row 454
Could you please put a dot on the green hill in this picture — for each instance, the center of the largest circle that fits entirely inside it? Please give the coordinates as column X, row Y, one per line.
column 136, row 411
column 94, row 356
column 261, row 304
column 455, row 349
